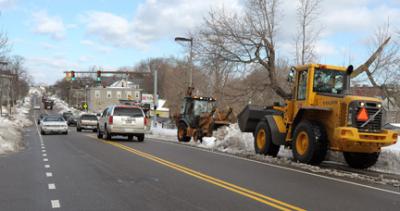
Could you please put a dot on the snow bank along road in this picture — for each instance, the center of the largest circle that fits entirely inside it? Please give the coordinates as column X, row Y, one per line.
column 80, row 172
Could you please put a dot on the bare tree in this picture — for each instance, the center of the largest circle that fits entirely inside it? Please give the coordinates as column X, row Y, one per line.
column 381, row 68
column 308, row 32
column 246, row 39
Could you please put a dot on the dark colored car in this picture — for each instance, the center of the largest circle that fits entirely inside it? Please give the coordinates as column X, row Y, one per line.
column 67, row 115
column 72, row 120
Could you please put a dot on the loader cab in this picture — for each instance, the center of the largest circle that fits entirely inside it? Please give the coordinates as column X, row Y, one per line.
column 193, row 107
column 317, row 87
column 315, row 79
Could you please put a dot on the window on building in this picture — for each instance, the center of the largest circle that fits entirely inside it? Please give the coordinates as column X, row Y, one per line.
column 109, row 94
column 128, row 94
column 137, row 95
column 119, row 94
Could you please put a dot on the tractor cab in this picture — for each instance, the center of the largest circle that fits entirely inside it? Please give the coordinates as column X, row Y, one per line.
column 194, row 107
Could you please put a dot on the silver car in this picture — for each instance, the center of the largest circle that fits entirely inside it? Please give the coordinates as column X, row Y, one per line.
column 53, row 124
column 86, row 122
column 122, row 120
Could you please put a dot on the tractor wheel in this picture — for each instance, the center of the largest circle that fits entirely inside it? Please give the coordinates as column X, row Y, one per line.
column 182, row 131
column 263, row 140
column 360, row 160
column 310, row 143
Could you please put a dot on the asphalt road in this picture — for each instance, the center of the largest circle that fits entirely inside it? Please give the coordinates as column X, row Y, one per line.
column 79, row 172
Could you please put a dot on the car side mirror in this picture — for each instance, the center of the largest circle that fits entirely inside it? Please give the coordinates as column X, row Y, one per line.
column 290, row 77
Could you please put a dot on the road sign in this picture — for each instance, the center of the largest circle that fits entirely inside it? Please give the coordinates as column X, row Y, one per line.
column 85, row 106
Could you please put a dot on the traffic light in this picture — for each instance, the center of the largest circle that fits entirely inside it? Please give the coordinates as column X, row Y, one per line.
column 73, row 75
column 68, row 76
column 99, row 75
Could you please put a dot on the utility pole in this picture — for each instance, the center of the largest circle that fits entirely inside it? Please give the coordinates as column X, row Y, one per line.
column 155, row 97
column 183, row 39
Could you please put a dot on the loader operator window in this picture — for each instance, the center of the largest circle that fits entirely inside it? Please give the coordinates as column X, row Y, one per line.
column 329, row 81
column 202, row 106
column 302, row 87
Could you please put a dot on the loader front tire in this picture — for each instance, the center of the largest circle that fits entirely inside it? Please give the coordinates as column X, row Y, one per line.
column 310, row 143
column 263, row 140
column 360, row 160
column 182, row 133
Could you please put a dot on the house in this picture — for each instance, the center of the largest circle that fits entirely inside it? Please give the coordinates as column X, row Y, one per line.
column 100, row 97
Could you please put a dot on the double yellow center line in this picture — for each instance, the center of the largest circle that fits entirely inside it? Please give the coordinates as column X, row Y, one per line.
column 226, row 185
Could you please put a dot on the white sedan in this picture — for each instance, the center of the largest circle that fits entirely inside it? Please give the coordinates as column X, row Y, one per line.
column 53, row 124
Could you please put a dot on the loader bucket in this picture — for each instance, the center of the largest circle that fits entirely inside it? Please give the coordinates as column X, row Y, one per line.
column 251, row 115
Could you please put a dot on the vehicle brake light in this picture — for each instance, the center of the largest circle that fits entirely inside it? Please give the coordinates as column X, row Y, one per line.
column 362, row 116
column 145, row 120
column 110, row 120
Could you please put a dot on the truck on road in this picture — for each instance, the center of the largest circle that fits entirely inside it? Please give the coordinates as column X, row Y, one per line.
column 321, row 115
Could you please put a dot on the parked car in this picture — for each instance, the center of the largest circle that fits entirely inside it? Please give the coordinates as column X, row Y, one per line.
column 392, row 126
column 71, row 121
column 53, row 124
column 87, row 122
column 41, row 117
column 123, row 120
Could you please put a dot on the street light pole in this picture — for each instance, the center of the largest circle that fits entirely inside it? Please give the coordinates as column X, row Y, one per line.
column 183, row 39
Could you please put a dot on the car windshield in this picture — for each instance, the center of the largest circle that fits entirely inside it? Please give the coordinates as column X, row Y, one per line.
column 126, row 111
column 203, row 106
column 53, row 119
column 329, row 81
column 89, row 117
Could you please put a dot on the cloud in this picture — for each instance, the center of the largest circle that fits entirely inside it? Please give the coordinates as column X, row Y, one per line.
column 152, row 21
column 96, row 46
column 7, row 4
column 48, row 25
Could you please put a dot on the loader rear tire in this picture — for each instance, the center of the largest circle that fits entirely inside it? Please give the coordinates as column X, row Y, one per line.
column 310, row 143
column 263, row 140
column 360, row 160
column 182, row 133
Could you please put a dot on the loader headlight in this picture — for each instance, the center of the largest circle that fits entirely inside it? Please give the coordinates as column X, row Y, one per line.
column 362, row 104
column 379, row 105
column 349, row 117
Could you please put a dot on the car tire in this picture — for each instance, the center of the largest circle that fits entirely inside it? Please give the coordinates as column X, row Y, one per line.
column 78, row 129
column 42, row 132
column 130, row 137
column 65, row 133
column 99, row 134
column 140, row 138
column 107, row 134
column 94, row 130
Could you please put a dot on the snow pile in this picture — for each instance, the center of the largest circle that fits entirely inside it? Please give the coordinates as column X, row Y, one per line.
column 389, row 159
column 163, row 133
column 11, row 129
column 61, row 106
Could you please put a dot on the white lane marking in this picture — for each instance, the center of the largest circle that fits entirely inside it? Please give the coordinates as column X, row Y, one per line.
column 43, row 150
column 49, row 174
column 55, row 204
column 45, row 159
column 44, row 155
column 47, row 166
column 43, row 147
column 281, row 167
column 52, row 186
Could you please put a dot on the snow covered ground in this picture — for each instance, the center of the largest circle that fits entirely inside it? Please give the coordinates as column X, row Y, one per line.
column 231, row 140
column 11, row 128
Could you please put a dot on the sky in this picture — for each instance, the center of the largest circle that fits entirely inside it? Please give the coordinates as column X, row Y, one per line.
column 60, row 35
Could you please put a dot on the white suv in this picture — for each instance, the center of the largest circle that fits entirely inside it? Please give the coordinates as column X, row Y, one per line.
column 122, row 120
